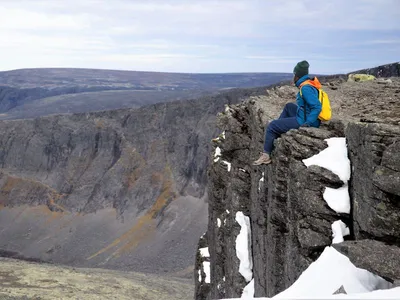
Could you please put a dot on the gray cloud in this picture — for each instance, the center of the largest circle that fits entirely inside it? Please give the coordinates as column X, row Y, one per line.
column 191, row 36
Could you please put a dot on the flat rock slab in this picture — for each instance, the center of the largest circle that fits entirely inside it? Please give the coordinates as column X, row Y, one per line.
column 374, row 256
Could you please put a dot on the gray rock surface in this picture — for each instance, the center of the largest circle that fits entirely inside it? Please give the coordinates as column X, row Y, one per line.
column 291, row 223
column 372, row 255
column 341, row 290
column 374, row 155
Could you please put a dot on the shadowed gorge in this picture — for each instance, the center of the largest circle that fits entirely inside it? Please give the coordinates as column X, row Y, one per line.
column 122, row 189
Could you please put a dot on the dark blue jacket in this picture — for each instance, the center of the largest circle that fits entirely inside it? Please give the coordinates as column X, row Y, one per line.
column 311, row 101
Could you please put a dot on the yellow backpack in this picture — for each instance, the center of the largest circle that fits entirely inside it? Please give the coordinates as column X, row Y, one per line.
column 326, row 112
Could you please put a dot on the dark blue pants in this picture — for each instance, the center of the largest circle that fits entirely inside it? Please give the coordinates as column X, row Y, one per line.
column 287, row 120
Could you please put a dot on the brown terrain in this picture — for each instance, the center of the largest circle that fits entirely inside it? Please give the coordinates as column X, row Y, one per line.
column 27, row 280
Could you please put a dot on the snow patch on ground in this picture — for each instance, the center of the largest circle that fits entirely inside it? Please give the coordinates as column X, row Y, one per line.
column 339, row 230
column 333, row 158
column 331, row 271
column 392, row 294
column 248, row 291
column 204, row 252
column 243, row 170
column 243, row 251
column 199, row 275
column 338, row 199
column 206, row 268
column 228, row 164
column 328, row 273
column 217, row 154
column 223, row 134
column 218, row 222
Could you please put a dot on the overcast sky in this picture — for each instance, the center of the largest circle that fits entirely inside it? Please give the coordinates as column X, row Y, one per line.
column 205, row 36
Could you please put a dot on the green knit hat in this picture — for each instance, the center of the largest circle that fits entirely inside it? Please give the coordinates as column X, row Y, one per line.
column 301, row 69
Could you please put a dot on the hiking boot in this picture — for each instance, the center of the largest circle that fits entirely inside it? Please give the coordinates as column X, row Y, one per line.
column 264, row 159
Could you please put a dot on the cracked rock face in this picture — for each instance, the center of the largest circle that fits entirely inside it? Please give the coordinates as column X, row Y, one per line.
column 291, row 222
column 374, row 152
column 295, row 220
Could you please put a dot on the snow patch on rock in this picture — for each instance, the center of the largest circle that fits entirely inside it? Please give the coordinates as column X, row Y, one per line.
column 217, row 154
column 204, row 252
column 248, row 291
column 339, row 230
column 338, row 199
column 206, row 268
column 243, row 246
column 333, row 158
column 228, row 164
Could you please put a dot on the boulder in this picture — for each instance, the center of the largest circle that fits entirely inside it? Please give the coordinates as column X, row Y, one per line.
column 374, row 256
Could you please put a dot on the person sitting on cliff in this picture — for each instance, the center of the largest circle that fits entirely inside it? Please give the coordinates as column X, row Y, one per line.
column 293, row 115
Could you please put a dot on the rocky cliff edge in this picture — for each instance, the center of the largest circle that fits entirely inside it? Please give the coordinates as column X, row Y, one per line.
column 290, row 220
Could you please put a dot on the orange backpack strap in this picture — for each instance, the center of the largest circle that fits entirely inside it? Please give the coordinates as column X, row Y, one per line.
column 314, row 83
column 303, row 84
column 308, row 81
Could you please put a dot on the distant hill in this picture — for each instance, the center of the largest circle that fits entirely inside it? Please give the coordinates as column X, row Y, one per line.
column 55, row 78
column 30, row 93
column 94, row 101
column 389, row 70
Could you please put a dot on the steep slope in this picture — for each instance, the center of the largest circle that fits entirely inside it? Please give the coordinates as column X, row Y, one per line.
column 290, row 221
column 121, row 189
